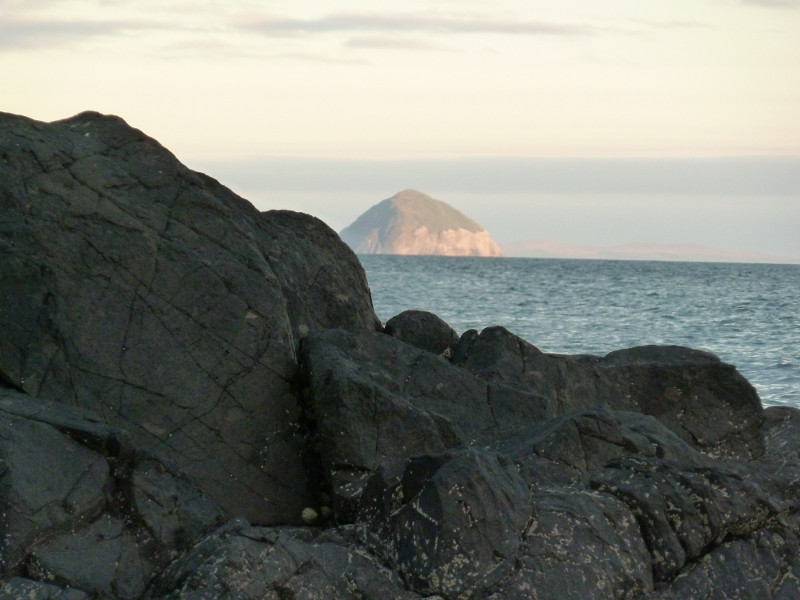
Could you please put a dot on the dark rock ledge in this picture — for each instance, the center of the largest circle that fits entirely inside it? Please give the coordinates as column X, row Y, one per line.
column 198, row 401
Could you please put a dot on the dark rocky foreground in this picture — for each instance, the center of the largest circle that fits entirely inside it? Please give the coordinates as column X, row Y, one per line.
column 198, row 401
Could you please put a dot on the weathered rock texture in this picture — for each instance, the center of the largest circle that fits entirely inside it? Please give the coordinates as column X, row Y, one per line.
column 156, row 297
column 184, row 381
column 411, row 222
column 704, row 400
column 83, row 508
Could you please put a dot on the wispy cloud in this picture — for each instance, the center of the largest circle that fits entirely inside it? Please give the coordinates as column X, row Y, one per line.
column 410, row 23
column 53, row 24
column 41, row 32
column 39, row 24
column 674, row 24
column 390, row 43
column 32, row 33
column 774, row 3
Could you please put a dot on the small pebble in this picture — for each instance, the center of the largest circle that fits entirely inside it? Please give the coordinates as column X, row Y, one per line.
column 309, row 516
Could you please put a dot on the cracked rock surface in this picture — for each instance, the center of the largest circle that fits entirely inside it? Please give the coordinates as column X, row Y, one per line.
column 78, row 507
column 197, row 401
column 156, row 297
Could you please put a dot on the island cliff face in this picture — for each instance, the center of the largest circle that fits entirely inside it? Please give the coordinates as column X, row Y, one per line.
column 197, row 401
column 411, row 222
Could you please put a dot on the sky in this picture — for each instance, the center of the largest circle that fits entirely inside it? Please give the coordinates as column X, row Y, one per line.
column 575, row 121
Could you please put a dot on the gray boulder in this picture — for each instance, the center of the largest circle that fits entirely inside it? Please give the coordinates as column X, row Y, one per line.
column 373, row 399
column 618, row 502
column 241, row 562
column 705, row 401
column 423, row 330
column 165, row 303
column 685, row 513
column 782, row 434
column 764, row 564
column 645, row 516
column 466, row 524
column 17, row 588
column 50, row 482
column 453, row 522
column 578, row 544
column 588, row 439
column 102, row 559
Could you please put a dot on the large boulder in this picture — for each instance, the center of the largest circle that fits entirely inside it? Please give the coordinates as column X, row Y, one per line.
column 448, row 523
column 705, row 401
column 475, row 523
column 588, row 439
column 637, row 471
column 156, row 297
column 373, row 399
column 357, row 382
column 648, row 513
column 578, row 544
column 685, row 512
column 424, row 330
column 764, row 564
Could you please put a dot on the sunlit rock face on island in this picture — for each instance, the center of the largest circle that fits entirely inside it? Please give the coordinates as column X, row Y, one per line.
column 411, row 222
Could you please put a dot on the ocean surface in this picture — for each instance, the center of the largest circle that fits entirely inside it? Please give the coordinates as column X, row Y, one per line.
column 747, row 314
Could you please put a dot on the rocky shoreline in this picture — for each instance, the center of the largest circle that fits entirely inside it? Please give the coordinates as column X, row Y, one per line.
column 198, row 401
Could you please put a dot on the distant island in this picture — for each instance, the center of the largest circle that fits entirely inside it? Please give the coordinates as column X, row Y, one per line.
column 411, row 222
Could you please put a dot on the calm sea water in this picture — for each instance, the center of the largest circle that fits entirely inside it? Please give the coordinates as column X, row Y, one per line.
column 747, row 314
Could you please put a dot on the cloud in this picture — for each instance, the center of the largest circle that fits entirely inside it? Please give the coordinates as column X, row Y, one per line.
column 731, row 177
column 389, row 43
column 20, row 33
column 27, row 33
column 677, row 24
column 409, row 23
column 35, row 24
column 774, row 3
column 51, row 24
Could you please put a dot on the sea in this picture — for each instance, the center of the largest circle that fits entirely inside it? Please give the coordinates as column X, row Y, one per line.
column 746, row 314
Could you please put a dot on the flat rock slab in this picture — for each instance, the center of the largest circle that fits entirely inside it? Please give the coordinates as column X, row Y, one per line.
column 102, row 559
column 17, row 588
column 242, row 562
column 85, row 510
column 49, row 482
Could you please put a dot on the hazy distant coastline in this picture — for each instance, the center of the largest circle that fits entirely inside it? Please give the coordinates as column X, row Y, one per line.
column 734, row 209
column 666, row 252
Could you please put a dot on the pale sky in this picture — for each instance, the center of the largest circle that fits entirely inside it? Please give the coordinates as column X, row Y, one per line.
column 240, row 83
